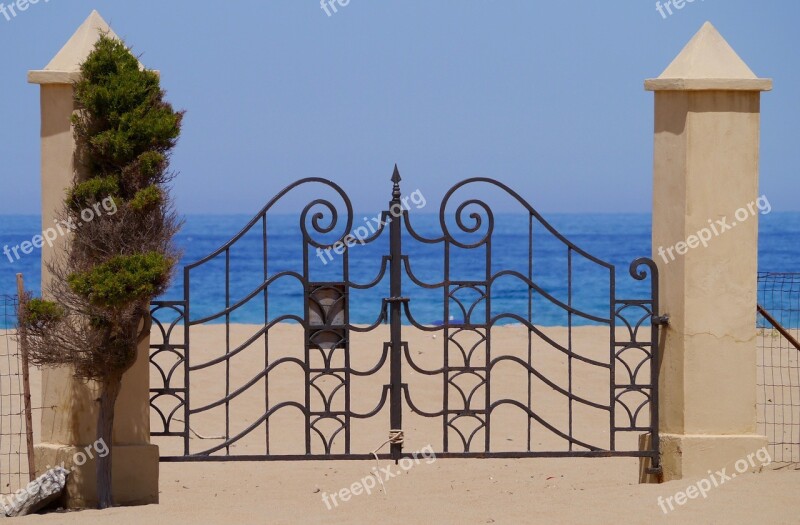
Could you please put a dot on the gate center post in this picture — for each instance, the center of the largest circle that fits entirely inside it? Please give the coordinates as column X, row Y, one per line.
column 396, row 212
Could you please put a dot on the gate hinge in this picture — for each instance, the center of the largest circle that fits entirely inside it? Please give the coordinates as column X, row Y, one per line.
column 655, row 471
column 661, row 320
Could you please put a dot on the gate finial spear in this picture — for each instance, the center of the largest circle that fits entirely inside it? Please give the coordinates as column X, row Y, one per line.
column 396, row 179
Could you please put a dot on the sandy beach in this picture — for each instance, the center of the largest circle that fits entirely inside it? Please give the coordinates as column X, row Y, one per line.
column 508, row 381
column 433, row 490
column 538, row 491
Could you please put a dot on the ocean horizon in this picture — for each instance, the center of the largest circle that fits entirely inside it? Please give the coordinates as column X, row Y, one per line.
column 614, row 238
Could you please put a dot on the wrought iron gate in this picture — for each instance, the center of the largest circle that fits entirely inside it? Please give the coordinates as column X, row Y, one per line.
column 628, row 363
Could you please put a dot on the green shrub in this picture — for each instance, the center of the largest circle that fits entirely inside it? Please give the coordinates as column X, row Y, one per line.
column 38, row 312
column 151, row 164
column 146, row 199
column 93, row 190
column 123, row 279
column 131, row 116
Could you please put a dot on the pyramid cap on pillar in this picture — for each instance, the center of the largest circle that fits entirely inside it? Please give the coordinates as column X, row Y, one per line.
column 64, row 68
column 708, row 63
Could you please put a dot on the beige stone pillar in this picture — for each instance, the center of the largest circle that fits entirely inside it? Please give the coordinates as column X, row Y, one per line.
column 707, row 121
column 70, row 417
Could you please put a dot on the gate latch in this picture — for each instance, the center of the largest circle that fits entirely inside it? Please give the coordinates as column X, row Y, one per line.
column 661, row 320
column 389, row 300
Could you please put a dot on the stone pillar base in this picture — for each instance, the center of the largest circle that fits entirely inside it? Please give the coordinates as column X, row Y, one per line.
column 134, row 473
column 692, row 456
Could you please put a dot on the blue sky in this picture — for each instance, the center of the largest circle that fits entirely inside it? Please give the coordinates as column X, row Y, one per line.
column 546, row 96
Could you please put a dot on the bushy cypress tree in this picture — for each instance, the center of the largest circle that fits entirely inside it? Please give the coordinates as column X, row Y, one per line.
column 97, row 307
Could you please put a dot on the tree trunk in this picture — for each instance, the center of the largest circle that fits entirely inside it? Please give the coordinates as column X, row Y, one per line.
column 109, row 391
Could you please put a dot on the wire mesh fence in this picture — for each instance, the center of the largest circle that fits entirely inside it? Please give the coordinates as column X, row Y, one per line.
column 778, row 399
column 14, row 470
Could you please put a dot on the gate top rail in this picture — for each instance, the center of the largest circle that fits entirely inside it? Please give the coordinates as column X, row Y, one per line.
column 477, row 220
column 261, row 214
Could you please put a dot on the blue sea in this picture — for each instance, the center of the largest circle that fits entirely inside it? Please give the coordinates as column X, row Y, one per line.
column 566, row 275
